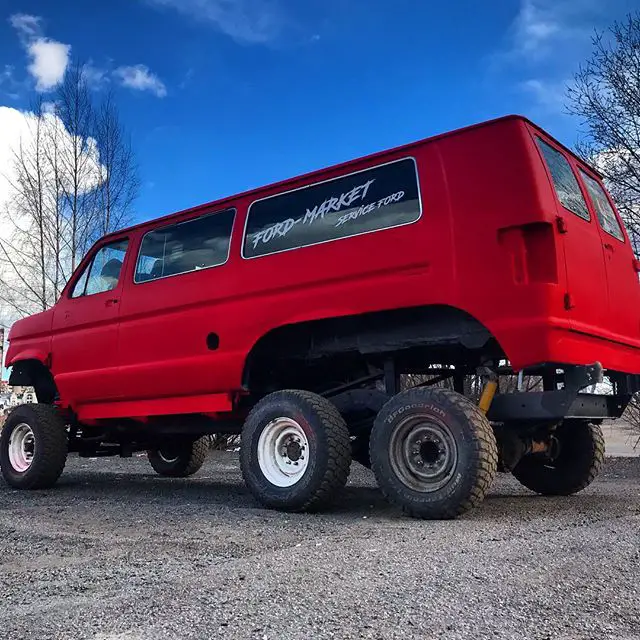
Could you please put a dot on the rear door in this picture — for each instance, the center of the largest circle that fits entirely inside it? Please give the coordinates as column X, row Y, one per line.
column 586, row 298
column 622, row 278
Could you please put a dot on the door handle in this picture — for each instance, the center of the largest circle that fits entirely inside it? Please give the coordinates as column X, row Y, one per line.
column 607, row 246
column 110, row 302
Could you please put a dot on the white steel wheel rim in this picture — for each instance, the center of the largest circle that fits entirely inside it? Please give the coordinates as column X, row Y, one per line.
column 283, row 452
column 22, row 446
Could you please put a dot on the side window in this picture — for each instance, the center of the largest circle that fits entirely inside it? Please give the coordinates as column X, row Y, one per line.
column 103, row 272
column 604, row 210
column 377, row 198
column 187, row 246
column 564, row 180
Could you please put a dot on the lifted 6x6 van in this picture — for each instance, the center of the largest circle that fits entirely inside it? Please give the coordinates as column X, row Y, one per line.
column 293, row 313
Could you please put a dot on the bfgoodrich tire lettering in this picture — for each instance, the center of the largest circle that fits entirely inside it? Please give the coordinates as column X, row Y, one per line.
column 433, row 453
column 48, row 446
column 579, row 460
column 329, row 450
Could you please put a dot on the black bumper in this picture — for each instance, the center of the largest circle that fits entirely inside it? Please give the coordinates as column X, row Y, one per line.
column 546, row 406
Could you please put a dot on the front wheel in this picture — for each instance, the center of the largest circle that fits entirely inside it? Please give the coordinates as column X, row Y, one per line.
column 33, row 447
column 433, row 453
column 295, row 451
column 576, row 457
column 179, row 459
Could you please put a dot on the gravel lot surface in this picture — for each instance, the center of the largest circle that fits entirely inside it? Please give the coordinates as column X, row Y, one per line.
column 117, row 553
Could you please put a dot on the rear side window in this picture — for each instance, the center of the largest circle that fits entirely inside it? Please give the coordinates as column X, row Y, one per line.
column 378, row 198
column 103, row 272
column 564, row 180
column 604, row 210
column 196, row 244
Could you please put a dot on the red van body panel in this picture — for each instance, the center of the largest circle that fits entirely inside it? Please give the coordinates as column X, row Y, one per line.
column 493, row 241
column 31, row 339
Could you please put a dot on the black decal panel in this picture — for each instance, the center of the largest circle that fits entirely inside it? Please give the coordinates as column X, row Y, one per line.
column 379, row 198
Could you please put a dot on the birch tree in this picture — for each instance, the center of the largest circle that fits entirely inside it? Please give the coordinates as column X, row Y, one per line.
column 74, row 179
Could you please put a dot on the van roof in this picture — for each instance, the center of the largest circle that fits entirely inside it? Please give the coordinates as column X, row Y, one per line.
column 290, row 183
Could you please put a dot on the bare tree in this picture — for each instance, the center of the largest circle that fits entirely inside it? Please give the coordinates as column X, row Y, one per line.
column 119, row 183
column 606, row 95
column 79, row 162
column 24, row 254
column 74, row 179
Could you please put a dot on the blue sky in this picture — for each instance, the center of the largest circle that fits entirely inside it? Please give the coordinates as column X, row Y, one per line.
column 224, row 95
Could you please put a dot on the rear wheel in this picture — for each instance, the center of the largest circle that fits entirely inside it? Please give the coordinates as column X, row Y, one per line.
column 433, row 453
column 295, row 451
column 575, row 459
column 33, row 447
column 179, row 459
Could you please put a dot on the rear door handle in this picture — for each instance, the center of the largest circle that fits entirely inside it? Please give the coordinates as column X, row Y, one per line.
column 110, row 302
column 607, row 246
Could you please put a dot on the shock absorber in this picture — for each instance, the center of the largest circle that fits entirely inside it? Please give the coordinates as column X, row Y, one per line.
column 490, row 387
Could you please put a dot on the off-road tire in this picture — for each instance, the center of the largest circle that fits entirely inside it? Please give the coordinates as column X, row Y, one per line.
column 580, row 459
column 471, row 469
column 51, row 444
column 180, row 459
column 329, row 451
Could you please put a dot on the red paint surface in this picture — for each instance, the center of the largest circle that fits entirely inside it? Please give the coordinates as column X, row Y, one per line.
column 489, row 242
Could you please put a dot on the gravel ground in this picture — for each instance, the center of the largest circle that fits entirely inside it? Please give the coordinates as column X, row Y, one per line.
column 115, row 552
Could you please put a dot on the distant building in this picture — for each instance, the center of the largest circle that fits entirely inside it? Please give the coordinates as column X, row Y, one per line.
column 14, row 396
column 29, row 396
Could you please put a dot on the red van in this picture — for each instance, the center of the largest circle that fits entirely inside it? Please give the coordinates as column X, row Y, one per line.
column 289, row 313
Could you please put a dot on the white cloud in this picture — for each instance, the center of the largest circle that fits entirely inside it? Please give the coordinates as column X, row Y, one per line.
column 542, row 26
column 26, row 25
column 551, row 96
column 6, row 75
column 141, row 78
column 8, row 84
column 246, row 21
column 19, row 133
column 534, row 27
column 49, row 58
column 19, row 128
column 94, row 76
column 49, row 61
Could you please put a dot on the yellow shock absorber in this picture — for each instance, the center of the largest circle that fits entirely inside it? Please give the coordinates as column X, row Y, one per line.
column 488, row 392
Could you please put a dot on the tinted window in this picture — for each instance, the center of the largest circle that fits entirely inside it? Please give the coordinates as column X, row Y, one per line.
column 103, row 272
column 180, row 248
column 564, row 180
column 378, row 198
column 604, row 210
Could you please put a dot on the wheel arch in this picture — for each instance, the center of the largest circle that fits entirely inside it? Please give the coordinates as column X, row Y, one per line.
column 33, row 372
column 436, row 326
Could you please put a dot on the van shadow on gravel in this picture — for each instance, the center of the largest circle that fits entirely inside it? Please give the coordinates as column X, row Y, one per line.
column 219, row 488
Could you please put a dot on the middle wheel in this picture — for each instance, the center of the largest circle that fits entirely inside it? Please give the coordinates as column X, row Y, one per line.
column 433, row 452
column 295, row 451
